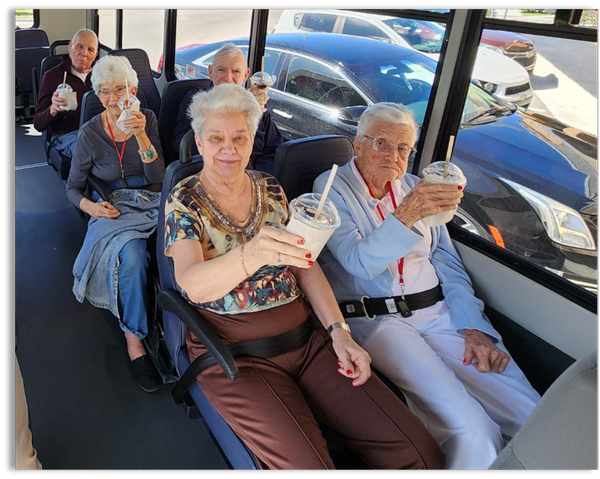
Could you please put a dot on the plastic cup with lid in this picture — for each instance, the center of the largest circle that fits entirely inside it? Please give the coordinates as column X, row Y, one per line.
column 434, row 174
column 315, row 231
column 65, row 91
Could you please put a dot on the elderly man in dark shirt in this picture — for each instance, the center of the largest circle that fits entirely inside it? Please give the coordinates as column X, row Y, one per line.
column 229, row 66
column 63, row 125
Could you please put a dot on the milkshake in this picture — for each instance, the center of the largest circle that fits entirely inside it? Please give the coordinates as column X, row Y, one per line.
column 259, row 85
column 65, row 91
column 315, row 231
column 434, row 173
column 129, row 104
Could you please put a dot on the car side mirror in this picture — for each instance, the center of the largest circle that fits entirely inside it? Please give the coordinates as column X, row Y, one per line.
column 351, row 114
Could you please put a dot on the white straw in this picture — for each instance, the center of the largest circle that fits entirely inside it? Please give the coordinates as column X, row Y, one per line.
column 262, row 68
column 64, row 79
column 448, row 155
column 127, row 90
column 326, row 191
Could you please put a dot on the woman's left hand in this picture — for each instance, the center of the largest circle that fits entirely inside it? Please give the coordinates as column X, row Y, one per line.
column 489, row 359
column 354, row 361
column 137, row 123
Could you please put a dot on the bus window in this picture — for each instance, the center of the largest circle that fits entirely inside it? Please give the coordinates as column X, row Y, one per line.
column 201, row 32
column 137, row 21
column 107, row 27
column 23, row 19
column 528, row 147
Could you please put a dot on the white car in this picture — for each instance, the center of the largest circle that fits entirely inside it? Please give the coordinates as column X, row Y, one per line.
column 492, row 71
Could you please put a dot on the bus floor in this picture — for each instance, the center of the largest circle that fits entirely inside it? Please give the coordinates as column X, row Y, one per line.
column 86, row 411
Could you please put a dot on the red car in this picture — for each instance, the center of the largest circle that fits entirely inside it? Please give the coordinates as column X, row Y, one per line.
column 509, row 44
column 512, row 45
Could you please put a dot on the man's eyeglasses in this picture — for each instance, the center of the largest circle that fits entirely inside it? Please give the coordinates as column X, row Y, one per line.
column 383, row 146
column 119, row 91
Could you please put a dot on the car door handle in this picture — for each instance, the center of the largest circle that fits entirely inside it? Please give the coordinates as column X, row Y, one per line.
column 282, row 113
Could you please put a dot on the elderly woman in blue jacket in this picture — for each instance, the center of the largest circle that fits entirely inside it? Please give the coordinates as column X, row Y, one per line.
column 422, row 324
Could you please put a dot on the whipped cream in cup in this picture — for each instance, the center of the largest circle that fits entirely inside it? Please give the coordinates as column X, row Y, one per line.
column 434, row 173
column 65, row 91
column 127, row 106
column 260, row 83
column 315, row 231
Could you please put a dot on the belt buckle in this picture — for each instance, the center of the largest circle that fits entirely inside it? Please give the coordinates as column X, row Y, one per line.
column 362, row 300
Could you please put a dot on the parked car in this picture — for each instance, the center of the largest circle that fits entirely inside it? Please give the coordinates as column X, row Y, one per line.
column 492, row 70
column 531, row 179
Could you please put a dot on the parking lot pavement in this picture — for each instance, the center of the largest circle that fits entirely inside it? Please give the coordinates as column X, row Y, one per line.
column 565, row 82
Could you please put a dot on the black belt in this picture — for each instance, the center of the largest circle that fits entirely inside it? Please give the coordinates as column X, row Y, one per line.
column 260, row 348
column 372, row 307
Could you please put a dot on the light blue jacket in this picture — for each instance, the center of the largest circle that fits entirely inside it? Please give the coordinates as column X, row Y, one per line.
column 359, row 253
column 96, row 269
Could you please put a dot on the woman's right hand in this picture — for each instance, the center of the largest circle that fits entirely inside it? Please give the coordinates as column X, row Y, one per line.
column 98, row 210
column 427, row 200
column 275, row 246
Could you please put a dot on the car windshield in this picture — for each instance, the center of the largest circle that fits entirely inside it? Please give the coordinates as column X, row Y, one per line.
column 408, row 80
column 405, row 80
column 423, row 36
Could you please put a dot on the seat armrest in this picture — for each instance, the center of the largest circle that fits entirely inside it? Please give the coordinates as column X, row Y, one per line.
column 99, row 186
column 172, row 301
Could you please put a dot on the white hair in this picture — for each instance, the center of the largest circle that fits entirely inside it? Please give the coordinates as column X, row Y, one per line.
column 390, row 113
column 112, row 68
column 224, row 97
column 228, row 50
column 84, row 30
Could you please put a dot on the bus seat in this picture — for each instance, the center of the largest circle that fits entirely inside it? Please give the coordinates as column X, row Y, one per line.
column 31, row 37
column 185, row 148
column 141, row 64
column 172, row 95
column 561, row 433
column 25, row 60
column 299, row 162
column 236, row 452
column 47, row 63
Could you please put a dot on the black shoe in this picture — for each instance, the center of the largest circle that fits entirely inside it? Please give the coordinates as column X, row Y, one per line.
column 145, row 374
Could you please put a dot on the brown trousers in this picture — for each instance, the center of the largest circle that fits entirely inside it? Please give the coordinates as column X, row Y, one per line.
column 275, row 403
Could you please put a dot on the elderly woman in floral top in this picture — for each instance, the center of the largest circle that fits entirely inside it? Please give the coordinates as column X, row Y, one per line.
column 235, row 263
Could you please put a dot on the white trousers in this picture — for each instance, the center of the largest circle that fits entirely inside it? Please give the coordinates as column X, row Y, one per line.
column 471, row 414
column 26, row 455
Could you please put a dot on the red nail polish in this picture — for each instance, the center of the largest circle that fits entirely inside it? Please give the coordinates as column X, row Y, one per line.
column 348, row 371
column 460, row 187
column 308, row 255
column 300, row 241
column 311, row 263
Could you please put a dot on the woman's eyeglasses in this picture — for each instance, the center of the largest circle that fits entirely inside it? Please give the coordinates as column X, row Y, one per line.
column 119, row 91
column 383, row 146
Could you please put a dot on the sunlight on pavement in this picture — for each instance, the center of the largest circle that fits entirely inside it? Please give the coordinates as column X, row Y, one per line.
column 569, row 102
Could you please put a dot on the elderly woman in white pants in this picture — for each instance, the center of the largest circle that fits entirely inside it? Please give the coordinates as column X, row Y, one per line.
column 425, row 329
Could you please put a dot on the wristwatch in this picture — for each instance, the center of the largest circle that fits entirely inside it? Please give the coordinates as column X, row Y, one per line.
column 338, row 325
column 148, row 155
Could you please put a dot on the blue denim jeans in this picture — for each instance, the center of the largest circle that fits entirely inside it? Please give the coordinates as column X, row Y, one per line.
column 66, row 143
column 133, row 265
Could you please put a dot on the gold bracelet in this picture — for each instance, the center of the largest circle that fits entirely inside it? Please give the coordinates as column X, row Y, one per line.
column 243, row 265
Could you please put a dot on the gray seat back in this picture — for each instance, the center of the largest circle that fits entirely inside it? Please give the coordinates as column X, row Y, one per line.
column 25, row 60
column 298, row 162
column 562, row 432
column 31, row 37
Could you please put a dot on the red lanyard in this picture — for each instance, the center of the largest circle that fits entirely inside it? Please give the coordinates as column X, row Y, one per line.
column 119, row 155
column 401, row 260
